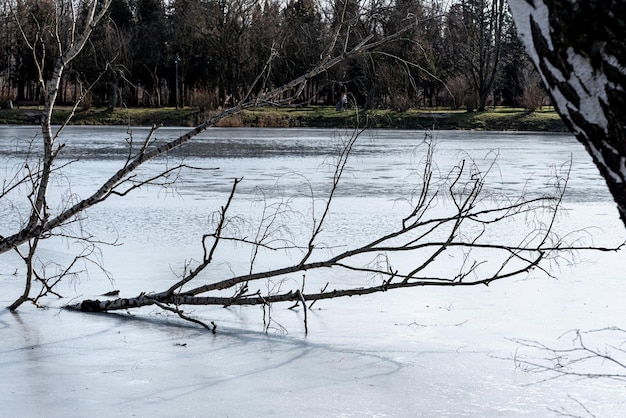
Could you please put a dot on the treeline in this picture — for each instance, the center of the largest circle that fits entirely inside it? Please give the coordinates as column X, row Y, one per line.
column 214, row 53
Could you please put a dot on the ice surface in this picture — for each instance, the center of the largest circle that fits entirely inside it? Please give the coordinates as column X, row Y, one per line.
column 428, row 352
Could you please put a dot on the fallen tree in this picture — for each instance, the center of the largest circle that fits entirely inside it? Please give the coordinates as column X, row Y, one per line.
column 415, row 253
column 35, row 174
column 405, row 257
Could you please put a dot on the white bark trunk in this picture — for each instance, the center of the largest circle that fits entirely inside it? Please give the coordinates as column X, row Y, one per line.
column 577, row 47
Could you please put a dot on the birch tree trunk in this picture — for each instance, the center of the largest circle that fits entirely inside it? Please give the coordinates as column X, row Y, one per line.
column 579, row 50
column 70, row 42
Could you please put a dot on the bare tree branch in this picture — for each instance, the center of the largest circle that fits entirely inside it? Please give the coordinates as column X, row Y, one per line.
column 414, row 239
column 35, row 228
column 603, row 357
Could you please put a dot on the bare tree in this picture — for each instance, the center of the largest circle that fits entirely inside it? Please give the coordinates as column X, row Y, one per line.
column 425, row 235
column 578, row 51
column 37, row 174
column 476, row 28
column 69, row 30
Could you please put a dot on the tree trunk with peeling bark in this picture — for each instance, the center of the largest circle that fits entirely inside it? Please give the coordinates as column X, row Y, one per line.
column 579, row 50
column 69, row 46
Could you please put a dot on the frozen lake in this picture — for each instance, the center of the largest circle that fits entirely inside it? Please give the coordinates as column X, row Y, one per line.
column 431, row 352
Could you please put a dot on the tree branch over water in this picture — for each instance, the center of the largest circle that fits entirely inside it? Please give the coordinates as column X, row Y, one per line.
column 450, row 219
column 42, row 220
column 36, row 227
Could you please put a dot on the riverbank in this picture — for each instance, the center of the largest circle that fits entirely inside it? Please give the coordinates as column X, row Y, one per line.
column 499, row 119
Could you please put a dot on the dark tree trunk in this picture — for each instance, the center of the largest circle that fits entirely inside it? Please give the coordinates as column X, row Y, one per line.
column 113, row 94
column 579, row 50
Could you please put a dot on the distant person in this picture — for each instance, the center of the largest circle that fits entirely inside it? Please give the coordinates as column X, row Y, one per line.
column 341, row 104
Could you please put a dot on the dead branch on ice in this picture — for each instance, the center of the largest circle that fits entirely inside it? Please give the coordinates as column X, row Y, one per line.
column 593, row 354
column 423, row 236
column 449, row 218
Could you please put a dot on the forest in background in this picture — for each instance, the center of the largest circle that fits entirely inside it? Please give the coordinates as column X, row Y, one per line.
column 209, row 53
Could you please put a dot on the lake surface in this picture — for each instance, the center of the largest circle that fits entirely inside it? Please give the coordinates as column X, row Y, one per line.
column 425, row 352
column 161, row 228
column 379, row 159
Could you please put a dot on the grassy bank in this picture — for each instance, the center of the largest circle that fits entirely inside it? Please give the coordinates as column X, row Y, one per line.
column 505, row 119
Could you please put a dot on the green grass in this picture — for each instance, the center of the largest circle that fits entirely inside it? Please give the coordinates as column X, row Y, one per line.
column 505, row 119
column 134, row 117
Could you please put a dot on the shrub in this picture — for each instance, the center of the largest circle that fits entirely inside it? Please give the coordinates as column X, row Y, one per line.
column 457, row 88
column 533, row 97
column 204, row 98
column 400, row 102
column 232, row 121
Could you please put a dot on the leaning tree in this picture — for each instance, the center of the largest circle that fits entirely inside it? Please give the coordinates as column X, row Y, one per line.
column 421, row 235
column 578, row 48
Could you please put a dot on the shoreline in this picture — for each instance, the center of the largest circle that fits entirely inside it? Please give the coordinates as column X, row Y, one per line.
column 499, row 119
